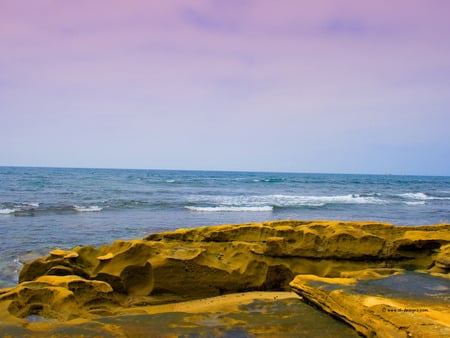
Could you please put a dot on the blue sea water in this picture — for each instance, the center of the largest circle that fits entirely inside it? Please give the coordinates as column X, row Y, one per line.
column 46, row 208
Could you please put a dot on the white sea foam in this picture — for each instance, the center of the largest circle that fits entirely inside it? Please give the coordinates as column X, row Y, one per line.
column 91, row 208
column 414, row 195
column 422, row 196
column 7, row 211
column 415, row 203
column 12, row 207
column 230, row 209
column 288, row 200
column 270, row 201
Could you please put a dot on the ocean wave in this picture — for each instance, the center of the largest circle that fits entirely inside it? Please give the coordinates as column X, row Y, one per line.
column 80, row 206
column 90, row 208
column 316, row 201
column 274, row 202
column 267, row 180
column 280, row 200
column 9, row 208
column 415, row 203
column 7, row 211
column 421, row 196
column 230, row 209
column 414, row 195
column 34, row 209
column 125, row 203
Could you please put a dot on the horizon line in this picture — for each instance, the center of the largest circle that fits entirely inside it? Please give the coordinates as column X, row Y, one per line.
column 223, row 170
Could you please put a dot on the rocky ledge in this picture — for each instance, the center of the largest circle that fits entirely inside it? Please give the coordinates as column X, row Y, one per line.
column 323, row 261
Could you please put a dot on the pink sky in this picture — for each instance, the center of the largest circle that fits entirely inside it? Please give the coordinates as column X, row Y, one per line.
column 323, row 86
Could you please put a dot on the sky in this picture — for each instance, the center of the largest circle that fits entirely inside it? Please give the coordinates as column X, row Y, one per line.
column 342, row 86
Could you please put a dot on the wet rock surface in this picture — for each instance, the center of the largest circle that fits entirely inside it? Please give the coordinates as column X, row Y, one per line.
column 285, row 317
column 127, row 277
column 408, row 304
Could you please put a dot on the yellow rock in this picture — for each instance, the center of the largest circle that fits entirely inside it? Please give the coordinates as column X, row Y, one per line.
column 71, row 255
column 59, row 253
column 56, row 297
column 106, row 257
column 397, row 315
column 215, row 260
column 442, row 260
column 371, row 273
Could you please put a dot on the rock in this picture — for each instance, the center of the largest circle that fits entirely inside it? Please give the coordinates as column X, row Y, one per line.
column 209, row 261
column 322, row 239
column 442, row 260
column 106, row 257
column 371, row 273
column 51, row 264
column 125, row 266
column 63, row 253
column 58, row 297
column 60, row 270
column 275, row 247
column 127, row 271
column 253, row 314
column 71, row 255
column 382, row 307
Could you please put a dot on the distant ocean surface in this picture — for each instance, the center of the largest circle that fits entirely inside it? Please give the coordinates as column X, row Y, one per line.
column 46, row 208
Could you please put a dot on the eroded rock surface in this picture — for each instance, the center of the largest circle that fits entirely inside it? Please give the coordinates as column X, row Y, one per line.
column 399, row 305
column 210, row 261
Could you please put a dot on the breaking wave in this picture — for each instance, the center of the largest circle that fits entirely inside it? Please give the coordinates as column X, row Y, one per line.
column 7, row 211
column 33, row 209
column 421, row 196
column 10, row 208
column 90, row 208
column 208, row 203
column 230, row 209
column 271, row 202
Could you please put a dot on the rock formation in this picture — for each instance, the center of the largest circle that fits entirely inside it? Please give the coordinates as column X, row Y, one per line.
column 379, row 307
column 124, row 277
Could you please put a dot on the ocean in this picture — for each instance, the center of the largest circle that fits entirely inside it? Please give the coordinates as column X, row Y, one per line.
column 47, row 208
